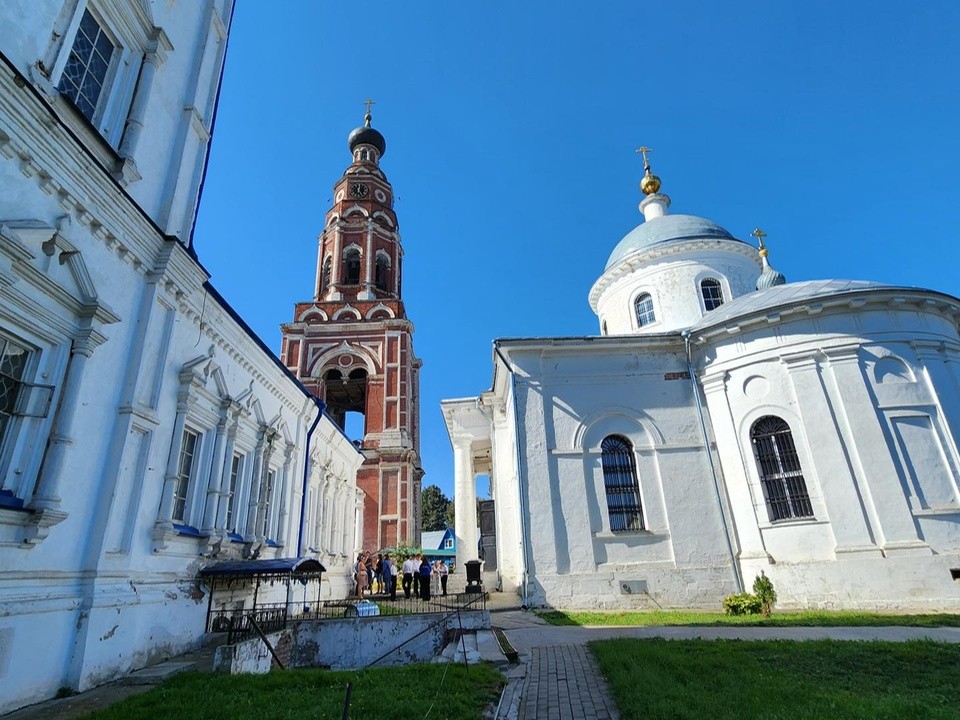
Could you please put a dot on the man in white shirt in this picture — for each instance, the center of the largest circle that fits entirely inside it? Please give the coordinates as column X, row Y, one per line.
column 408, row 570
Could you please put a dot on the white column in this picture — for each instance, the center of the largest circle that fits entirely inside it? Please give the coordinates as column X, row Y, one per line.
column 285, row 488
column 336, row 264
column 733, row 463
column 368, row 258
column 211, row 503
column 47, row 495
column 318, row 291
column 465, row 502
column 138, row 110
column 221, row 518
column 358, row 521
column 256, row 480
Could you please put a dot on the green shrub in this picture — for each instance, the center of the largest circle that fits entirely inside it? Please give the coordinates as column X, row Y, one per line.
column 763, row 589
column 742, row 604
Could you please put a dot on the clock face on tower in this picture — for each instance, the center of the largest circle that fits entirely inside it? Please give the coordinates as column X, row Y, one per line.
column 358, row 190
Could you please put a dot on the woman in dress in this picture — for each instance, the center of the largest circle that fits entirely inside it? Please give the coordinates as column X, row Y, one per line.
column 360, row 571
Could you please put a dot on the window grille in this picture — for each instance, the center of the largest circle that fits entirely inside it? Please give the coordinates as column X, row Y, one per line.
column 188, row 451
column 712, row 293
column 13, row 361
column 780, row 472
column 621, row 485
column 644, row 308
column 86, row 70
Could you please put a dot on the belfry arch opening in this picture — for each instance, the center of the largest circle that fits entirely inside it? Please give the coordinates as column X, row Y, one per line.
column 346, row 398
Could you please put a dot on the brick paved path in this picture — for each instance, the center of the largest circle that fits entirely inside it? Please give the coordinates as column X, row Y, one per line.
column 564, row 683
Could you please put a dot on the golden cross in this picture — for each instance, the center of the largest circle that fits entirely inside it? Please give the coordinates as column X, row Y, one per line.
column 368, row 102
column 643, row 150
column 759, row 235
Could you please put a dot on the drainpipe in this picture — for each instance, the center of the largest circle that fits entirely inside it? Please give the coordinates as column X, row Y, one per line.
column 306, row 474
column 713, row 468
column 523, row 499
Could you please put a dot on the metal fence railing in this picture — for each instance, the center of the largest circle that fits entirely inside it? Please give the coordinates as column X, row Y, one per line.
column 276, row 616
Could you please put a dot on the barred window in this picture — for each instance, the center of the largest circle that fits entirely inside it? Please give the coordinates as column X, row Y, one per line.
column 644, row 308
column 780, row 473
column 620, row 482
column 13, row 361
column 185, row 471
column 712, row 293
column 86, row 70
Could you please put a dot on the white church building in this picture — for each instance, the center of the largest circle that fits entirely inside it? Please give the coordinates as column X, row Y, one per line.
column 145, row 431
column 723, row 423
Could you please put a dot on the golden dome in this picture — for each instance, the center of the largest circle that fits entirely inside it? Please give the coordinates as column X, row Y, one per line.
column 650, row 183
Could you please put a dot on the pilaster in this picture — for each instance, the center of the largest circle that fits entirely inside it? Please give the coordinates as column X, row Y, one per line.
column 870, row 450
column 848, row 505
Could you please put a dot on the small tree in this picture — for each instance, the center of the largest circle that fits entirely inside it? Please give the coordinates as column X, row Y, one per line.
column 763, row 589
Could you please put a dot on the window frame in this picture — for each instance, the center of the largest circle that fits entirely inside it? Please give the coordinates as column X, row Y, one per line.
column 73, row 90
column 326, row 275
column 129, row 29
column 644, row 297
column 348, row 255
column 185, row 484
column 234, row 480
column 269, row 488
column 711, row 282
column 780, row 472
column 24, row 440
column 620, row 479
column 382, row 272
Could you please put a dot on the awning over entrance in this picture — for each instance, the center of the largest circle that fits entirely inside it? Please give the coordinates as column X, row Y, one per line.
column 271, row 569
column 232, row 575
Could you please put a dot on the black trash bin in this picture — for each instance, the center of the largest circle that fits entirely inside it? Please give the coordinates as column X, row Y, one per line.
column 474, row 584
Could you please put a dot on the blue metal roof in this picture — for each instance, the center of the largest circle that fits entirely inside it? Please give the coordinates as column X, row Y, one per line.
column 253, row 568
column 780, row 295
column 666, row 228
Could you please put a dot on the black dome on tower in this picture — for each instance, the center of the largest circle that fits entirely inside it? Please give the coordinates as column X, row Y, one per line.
column 366, row 135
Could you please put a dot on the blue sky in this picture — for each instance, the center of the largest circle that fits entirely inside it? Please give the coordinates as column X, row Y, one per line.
column 511, row 130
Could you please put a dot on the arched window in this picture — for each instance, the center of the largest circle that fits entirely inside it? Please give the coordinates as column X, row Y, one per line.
column 712, row 293
column 644, row 308
column 780, row 472
column 351, row 261
column 620, row 482
column 325, row 276
column 383, row 273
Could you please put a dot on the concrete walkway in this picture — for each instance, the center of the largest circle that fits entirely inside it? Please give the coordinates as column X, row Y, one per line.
column 558, row 678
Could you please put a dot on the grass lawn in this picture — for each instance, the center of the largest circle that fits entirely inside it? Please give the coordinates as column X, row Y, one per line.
column 379, row 694
column 807, row 618
column 739, row 680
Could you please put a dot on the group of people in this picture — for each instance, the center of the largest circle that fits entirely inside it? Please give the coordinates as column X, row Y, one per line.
column 378, row 575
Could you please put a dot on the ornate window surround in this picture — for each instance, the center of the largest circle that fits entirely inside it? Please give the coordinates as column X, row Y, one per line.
column 48, row 302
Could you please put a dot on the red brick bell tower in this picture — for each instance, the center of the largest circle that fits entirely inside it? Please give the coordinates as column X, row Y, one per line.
column 352, row 345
